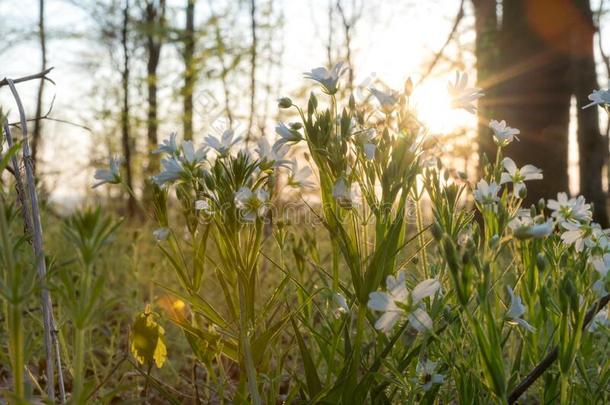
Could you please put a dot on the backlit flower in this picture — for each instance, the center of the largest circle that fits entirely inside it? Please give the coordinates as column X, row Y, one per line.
column 565, row 209
column 299, row 176
column 271, row 155
column 518, row 176
column 287, row 136
column 462, row 96
column 387, row 99
column 251, row 204
column 516, row 311
column 397, row 302
column 503, row 134
column 345, row 194
column 366, row 139
column 172, row 171
column 486, row 193
column 598, row 97
column 168, row 146
column 426, row 374
column 601, row 264
column 327, row 78
column 190, row 155
column 112, row 175
column 223, row 145
column 575, row 234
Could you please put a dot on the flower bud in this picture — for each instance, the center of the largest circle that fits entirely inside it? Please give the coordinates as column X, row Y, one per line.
column 522, row 193
column 436, row 230
column 312, row 104
column 408, row 87
column 541, row 261
column 295, row 125
column 541, row 205
column 284, row 102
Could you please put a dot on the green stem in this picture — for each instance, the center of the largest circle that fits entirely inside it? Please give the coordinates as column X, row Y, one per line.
column 79, row 365
column 13, row 308
column 420, row 238
column 246, row 357
column 15, row 326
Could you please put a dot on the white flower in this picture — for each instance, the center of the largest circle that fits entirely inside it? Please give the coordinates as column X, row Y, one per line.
column 172, row 170
column 340, row 302
column 486, row 193
column 599, row 288
column 387, row 100
column 287, row 135
column 161, row 234
column 575, row 234
column 565, row 209
column 426, row 374
column 599, row 320
column 299, row 176
column 189, row 155
column 112, row 175
column 518, row 176
column 327, row 78
column 204, row 205
column 462, row 96
column 601, row 264
column 366, row 139
column 268, row 154
column 345, row 194
column 224, row 144
column 523, row 226
column 168, row 146
column 598, row 238
column 503, row 134
column 397, row 297
column 598, row 97
column 516, row 311
column 251, row 204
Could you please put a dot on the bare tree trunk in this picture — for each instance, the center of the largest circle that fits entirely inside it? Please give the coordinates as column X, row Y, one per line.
column 125, row 113
column 533, row 94
column 329, row 43
column 348, row 24
column 155, row 22
column 253, row 49
column 486, row 50
column 43, row 54
column 592, row 146
column 189, row 69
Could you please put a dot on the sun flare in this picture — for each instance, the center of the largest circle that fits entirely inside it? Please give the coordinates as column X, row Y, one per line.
column 433, row 106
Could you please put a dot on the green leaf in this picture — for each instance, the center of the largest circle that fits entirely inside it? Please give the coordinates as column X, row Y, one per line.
column 314, row 386
column 147, row 341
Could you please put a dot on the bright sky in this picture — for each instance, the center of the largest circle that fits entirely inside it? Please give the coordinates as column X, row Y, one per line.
column 391, row 42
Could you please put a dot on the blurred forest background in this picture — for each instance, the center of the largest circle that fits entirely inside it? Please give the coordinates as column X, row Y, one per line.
column 129, row 72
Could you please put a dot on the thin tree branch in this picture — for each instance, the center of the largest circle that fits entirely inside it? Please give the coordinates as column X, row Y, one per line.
column 40, row 75
column 438, row 55
column 552, row 356
column 46, row 303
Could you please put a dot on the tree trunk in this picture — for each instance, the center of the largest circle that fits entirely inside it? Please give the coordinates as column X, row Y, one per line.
column 43, row 54
column 189, row 69
column 126, row 140
column 592, row 146
column 253, row 50
column 486, row 51
column 533, row 92
column 155, row 22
